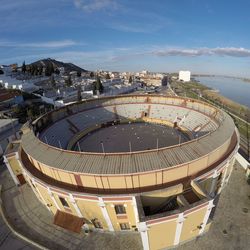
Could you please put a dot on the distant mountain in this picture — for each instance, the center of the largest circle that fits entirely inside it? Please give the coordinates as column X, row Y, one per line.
column 67, row 66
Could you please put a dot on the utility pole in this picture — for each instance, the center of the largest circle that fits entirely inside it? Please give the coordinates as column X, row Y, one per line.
column 12, row 125
column 79, row 148
column 103, row 148
column 130, row 149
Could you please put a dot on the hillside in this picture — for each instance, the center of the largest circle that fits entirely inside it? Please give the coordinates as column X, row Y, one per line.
column 67, row 66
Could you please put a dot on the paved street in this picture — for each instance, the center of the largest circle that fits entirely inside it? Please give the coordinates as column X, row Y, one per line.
column 8, row 240
column 34, row 221
column 229, row 231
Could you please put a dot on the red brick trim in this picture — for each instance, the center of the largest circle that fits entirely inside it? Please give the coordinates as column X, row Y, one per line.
column 196, row 208
column 175, row 216
column 117, row 199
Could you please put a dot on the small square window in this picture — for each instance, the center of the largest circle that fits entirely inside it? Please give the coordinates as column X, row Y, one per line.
column 96, row 223
column 64, row 202
column 124, row 226
column 120, row 209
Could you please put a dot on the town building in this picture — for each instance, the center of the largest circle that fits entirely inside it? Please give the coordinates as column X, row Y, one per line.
column 9, row 131
column 184, row 76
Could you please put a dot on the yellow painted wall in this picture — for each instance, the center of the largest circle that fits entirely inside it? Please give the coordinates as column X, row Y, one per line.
column 91, row 210
column 72, row 209
column 206, row 184
column 135, row 180
column 117, row 182
column 44, row 193
column 105, row 182
column 15, row 166
column 113, row 216
column 147, row 180
column 175, row 173
column 128, row 180
column 88, row 181
column 156, row 198
column 218, row 153
column 46, row 170
column 159, row 177
column 190, row 225
column 197, row 166
column 65, row 177
column 161, row 235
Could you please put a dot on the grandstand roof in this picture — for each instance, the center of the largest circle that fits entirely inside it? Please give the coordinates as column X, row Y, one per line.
column 134, row 162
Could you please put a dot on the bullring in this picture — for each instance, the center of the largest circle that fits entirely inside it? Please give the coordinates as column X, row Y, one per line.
column 168, row 189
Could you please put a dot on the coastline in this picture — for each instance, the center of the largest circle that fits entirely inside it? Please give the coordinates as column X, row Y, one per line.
column 244, row 79
column 196, row 89
column 225, row 100
column 216, row 95
column 231, row 88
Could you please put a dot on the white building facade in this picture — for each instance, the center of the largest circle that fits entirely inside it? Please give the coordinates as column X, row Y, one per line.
column 184, row 76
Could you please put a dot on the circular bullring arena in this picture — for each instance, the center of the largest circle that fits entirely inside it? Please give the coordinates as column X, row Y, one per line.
column 146, row 163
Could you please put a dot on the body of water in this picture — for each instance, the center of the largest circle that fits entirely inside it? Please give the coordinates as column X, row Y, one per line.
column 232, row 88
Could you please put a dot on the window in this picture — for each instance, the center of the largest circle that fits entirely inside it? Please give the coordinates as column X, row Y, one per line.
column 64, row 202
column 96, row 223
column 124, row 226
column 120, row 209
column 33, row 185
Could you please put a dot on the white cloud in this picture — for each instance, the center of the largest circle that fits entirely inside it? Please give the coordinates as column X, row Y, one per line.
column 47, row 44
column 135, row 28
column 227, row 51
column 94, row 5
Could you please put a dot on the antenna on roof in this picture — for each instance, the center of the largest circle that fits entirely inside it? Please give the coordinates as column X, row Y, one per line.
column 59, row 144
column 103, row 148
column 79, row 148
column 157, row 144
column 46, row 139
column 130, row 150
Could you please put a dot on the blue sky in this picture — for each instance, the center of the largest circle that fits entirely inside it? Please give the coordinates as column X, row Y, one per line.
column 160, row 35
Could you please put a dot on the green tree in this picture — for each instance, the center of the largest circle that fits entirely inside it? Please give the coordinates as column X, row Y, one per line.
column 99, row 85
column 17, row 109
column 52, row 81
column 94, row 88
column 107, row 76
column 68, row 81
column 35, row 69
column 1, row 72
column 130, row 79
column 40, row 70
column 79, row 96
column 30, row 113
column 57, row 71
column 32, row 69
column 91, row 74
column 49, row 69
column 79, row 73
column 24, row 67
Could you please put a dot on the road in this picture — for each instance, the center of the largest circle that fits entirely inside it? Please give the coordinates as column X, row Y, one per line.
column 8, row 241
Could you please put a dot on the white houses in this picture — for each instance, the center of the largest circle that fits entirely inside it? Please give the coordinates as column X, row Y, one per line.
column 184, row 76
